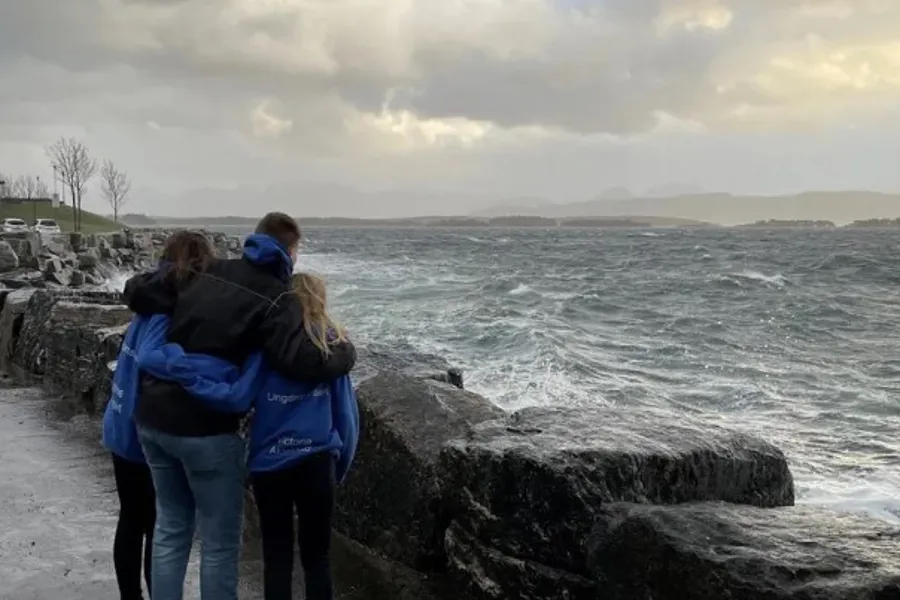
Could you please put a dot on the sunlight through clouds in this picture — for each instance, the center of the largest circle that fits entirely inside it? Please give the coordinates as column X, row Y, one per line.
column 472, row 81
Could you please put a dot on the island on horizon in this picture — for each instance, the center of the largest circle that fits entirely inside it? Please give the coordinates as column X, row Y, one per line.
column 516, row 221
column 137, row 220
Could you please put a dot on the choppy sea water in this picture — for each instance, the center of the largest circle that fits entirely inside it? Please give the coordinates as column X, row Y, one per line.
column 793, row 335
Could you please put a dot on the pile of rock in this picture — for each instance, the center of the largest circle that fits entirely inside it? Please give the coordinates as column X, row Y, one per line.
column 73, row 260
column 451, row 497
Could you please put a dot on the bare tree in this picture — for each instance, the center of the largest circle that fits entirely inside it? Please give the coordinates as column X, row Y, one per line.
column 26, row 187
column 76, row 168
column 116, row 186
column 5, row 184
column 32, row 188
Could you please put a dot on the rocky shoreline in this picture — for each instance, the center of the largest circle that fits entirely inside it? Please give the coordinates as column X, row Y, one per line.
column 75, row 260
column 451, row 497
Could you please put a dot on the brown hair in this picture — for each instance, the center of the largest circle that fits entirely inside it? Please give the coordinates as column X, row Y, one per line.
column 282, row 227
column 322, row 329
column 188, row 253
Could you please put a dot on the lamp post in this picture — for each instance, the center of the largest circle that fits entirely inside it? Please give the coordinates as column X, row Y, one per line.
column 34, row 201
column 55, row 194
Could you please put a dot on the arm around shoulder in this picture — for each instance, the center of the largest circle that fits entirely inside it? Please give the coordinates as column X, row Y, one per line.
column 289, row 349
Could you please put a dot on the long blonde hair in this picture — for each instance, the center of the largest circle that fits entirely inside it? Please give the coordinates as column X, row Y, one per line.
column 322, row 329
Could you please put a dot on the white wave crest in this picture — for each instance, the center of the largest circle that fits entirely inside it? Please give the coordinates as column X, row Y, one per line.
column 116, row 281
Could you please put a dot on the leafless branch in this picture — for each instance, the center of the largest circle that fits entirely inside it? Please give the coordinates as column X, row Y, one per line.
column 116, row 186
column 76, row 167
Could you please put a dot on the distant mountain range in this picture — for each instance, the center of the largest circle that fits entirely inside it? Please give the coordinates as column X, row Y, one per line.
column 246, row 223
column 720, row 208
column 673, row 201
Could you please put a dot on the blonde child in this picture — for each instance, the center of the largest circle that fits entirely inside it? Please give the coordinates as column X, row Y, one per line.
column 302, row 441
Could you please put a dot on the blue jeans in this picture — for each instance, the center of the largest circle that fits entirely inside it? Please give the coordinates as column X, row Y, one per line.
column 197, row 479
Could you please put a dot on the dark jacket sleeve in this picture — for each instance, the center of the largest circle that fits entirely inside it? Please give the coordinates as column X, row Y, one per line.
column 289, row 350
column 148, row 294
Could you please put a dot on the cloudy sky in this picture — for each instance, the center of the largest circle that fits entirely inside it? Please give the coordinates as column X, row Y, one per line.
column 559, row 98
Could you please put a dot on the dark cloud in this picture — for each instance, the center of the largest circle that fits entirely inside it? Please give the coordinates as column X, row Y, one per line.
column 452, row 93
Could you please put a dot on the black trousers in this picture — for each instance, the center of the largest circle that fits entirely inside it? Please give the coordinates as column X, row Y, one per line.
column 308, row 488
column 134, row 531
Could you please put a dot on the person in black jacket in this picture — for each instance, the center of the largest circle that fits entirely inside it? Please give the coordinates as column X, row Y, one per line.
column 230, row 310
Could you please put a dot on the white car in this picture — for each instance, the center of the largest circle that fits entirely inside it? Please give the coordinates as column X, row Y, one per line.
column 46, row 226
column 10, row 225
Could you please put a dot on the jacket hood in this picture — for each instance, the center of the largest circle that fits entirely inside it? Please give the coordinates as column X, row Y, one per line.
column 264, row 250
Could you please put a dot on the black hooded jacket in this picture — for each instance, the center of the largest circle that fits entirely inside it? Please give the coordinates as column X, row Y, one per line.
column 235, row 308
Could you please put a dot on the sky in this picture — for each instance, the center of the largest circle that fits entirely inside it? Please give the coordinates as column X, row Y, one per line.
column 492, row 98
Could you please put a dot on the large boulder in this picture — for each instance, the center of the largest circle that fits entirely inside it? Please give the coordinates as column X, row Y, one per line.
column 109, row 340
column 713, row 551
column 529, row 488
column 22, row 278
column 42, row 318
column 76, row 347
column 76, row 241
column 392, row 501
column 373, row 359
column 27, row 246
column 9, row 260
column 362, row 574
column 118, row 240
column 482, row 572
column 79, row 278
column 88, row 258
column 11, row 318
column 56, row 245
column 56, row 272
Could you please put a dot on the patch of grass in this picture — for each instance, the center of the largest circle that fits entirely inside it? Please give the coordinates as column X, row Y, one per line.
column 90, row 222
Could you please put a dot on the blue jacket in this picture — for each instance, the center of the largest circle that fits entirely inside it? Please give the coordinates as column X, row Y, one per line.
column 294, row 420
column 209, row 378
column 217, row 382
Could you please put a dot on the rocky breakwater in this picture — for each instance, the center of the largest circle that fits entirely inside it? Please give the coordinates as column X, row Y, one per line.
column 592, row 503
column 74, row 260
column 452, row 497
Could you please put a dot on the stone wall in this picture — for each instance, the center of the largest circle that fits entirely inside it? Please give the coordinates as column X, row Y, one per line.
column 450, row 497
column 75, row 260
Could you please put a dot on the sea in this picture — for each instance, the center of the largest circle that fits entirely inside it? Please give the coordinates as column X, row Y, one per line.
column 790, row 334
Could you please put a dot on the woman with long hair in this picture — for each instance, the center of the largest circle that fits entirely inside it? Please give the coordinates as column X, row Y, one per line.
column 302, row 441
column 184, row 254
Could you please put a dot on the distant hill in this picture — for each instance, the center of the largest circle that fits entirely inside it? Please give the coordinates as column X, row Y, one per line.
column 669, row 200
column 775, row 224
column 316, row 198
column 137, row 220
column 877, row 223
column 726, row 209
column 523, row 220
column 155, row 221
column 669, row 190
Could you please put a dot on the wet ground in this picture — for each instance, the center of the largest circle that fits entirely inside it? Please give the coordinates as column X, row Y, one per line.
column 58, row 507
column 58, row 515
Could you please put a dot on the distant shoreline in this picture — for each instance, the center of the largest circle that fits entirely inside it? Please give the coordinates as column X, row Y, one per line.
column 525, row 221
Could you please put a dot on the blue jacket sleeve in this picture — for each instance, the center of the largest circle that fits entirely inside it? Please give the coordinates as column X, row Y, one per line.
column 152, row 334
column 218, row 383
column 345, row 412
